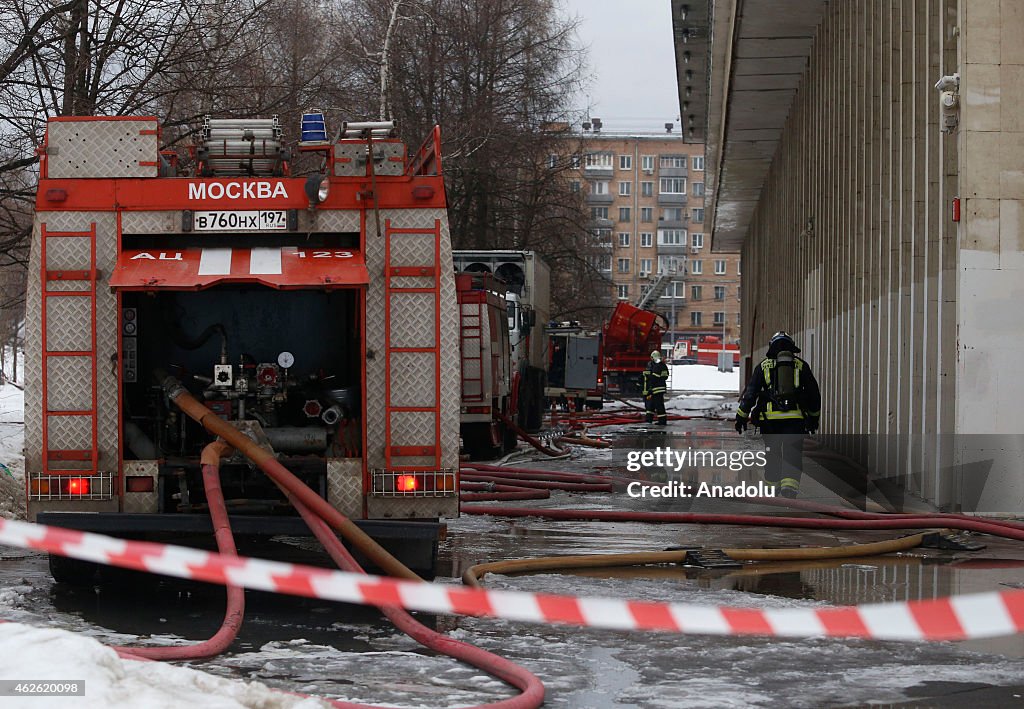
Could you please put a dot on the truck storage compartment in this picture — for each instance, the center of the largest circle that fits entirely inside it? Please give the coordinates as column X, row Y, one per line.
column 285, row 366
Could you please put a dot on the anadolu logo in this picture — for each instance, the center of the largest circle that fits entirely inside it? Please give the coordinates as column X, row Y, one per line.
column 249, row 189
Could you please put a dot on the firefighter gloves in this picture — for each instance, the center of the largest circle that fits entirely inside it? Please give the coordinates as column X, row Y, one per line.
column 741, row 424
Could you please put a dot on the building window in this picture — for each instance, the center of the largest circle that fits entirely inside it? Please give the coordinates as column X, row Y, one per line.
column 697, row 189
column 739, row 318
column 603, row 238
column 574, row 186
column 738, row 267
column 719, row 292
column 624, row 214
column 645, row 266
column 646, row 214
column 624, row 239
column 737, row 292
column 647, row 189
column 604, row 263
column 697, row 240
column 698, row 216
column 673, row 214
column 646, row 239
column 622, row 291
column 719, row 268
column 671, row 237
column 625, row 189
column 670, row 161
column 673, row 185
column 574, row 162
column 599, row 212
column 698, row 162
column 625, row 162
column 670, row 264
column 599, row 161
column 695, row 292
column 697, row 267
column 599, row 187
column 622, row 265
column 695, row 318
column 647, row 163
column 719, row 318
column 552, row 161
column 676, row 289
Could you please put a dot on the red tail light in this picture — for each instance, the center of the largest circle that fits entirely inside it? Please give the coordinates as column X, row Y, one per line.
column 407, row 483
column 76, row 486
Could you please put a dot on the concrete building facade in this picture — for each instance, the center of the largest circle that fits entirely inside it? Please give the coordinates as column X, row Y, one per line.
column 880, row 222
column 646, row 199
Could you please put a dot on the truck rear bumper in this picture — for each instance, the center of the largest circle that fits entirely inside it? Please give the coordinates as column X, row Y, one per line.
column 413, row 542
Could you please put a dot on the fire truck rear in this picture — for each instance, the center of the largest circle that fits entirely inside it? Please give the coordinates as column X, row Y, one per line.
column 317, row 314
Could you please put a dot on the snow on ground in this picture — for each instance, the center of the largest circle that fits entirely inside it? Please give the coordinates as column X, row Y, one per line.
column 703, row 377
column 12, row 458
column 111, row 682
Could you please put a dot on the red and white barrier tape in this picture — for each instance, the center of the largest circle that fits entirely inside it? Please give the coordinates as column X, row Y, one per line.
column 980, row 615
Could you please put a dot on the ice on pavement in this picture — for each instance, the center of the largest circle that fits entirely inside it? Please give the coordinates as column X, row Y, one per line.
column 114, row 683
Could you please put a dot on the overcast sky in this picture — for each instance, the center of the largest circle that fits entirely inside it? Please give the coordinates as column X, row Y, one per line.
column 632, row 62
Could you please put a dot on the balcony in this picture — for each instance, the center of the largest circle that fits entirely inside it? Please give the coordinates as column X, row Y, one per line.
column 600, row 198
column 672, row 172
column 673, row 249
column 673, row 223
column 671, row 198
column 598, row 172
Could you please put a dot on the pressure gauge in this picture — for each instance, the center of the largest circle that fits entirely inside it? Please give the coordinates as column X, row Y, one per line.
column 285, row 360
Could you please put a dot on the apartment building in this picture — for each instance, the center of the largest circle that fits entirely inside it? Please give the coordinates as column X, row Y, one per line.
column 646, row 199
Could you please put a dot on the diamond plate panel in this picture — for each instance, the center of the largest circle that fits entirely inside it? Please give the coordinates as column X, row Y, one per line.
column 68, row 323
column 412, row 379
column 101, row 148
column 65, row 253
column 345, row 486
column 151, row 222
column 33, row 371
column 412, row 428
column 419, row 507
column 69, row 384
column 142, row 502
column 412, row 282
column 412, row 249
column 412, row 320
column 70, row 433
column 338, row 220
column 390, row 150
column 67, row 286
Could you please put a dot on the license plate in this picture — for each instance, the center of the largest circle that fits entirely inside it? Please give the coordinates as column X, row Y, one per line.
column 252, row 220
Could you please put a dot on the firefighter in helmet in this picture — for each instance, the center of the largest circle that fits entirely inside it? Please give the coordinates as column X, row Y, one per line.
column 655, row 386
column 782, row 397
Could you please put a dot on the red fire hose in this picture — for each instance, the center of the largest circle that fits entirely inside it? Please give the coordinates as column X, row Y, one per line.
column 532, row 690
column 883, row 522
column 321, row 517
column 235, row 610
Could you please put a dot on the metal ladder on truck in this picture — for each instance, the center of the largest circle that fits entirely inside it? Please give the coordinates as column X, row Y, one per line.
column 61, row 379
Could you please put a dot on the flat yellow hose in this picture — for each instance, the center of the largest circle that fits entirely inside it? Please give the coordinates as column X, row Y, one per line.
column 473, row 574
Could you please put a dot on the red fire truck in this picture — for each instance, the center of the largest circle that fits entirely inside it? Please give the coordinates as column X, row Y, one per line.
column 487, row 386
column 318, row 314
column 628, row 339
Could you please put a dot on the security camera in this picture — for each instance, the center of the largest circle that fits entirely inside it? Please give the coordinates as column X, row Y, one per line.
column 950, row 82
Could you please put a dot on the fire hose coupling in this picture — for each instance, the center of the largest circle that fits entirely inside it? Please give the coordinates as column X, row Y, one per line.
column 172, row 387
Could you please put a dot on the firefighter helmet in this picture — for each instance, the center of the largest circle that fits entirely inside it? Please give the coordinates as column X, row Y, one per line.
column 656, row 355
column 782, row 341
